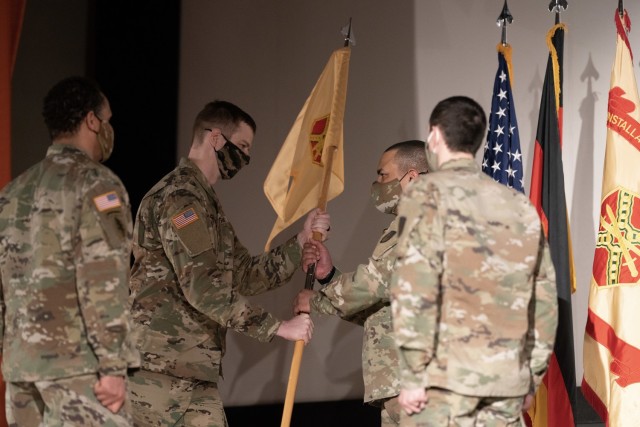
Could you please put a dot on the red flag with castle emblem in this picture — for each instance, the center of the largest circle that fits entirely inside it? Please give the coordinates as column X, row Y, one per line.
column 294, row 182
column 611, row 381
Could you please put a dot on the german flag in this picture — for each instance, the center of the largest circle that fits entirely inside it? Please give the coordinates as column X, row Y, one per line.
column 555, row 399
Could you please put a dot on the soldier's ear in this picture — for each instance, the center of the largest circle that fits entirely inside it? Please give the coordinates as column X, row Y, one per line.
column 436, row 136
column 434, row 139
column 218, row 139
column 92, row 121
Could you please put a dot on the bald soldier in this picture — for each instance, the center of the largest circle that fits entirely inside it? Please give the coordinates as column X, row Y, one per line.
column 65, row 241
column 473, row 294
column 191, row 274
column 363, row 296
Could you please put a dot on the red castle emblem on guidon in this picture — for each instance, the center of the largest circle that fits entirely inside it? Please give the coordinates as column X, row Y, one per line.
column 616, row 262
column 316, row 138
column 617, row 255
column 619, row 117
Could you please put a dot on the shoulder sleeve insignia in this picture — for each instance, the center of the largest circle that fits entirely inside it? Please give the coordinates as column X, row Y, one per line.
column 185, row 218
column 107, row 201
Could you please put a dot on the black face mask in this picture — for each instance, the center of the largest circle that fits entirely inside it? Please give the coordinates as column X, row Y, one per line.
column 231, row 159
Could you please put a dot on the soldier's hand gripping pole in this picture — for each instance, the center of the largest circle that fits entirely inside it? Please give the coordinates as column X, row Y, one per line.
column 310, row 278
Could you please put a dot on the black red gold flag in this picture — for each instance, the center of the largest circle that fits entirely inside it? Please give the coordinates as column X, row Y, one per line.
column 555, row 399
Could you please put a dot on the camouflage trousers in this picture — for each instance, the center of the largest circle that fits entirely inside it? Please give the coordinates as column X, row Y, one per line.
column 62, row 402
column 390, row 414
column 163, row 400
column 447, row 409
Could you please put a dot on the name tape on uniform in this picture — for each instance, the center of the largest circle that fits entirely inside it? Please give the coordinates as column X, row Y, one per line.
column 107, row 201
column 185, row 218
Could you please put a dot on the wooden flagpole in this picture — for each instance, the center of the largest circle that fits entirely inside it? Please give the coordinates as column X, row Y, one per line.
column 299, row 346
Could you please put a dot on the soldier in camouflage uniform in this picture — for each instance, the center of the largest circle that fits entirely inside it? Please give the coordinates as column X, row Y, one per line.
column 473, row 294
column 65, row 242
column 363, row 296
column 190, row 275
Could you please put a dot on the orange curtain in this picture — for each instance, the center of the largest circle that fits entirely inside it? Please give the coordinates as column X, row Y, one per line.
column 11, row 15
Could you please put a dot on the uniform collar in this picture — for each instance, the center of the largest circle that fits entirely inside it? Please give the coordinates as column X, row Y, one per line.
column 186, row 163
column 56, row 148
column 467, row 164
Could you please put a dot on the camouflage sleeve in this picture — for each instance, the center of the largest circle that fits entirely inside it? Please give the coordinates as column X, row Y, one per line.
column 352, row 294
column 102, row 275
column 543, row 315
column 415, row 283
column 191, row 241
column 267, row 271
column 320, row 303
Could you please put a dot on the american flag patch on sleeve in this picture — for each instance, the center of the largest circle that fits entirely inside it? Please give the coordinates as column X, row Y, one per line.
column 107, row 201
column 185, row 218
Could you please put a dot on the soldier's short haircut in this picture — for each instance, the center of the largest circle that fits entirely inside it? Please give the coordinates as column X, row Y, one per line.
column 462, row 121
column 222, row 115
column 410, row 155
column 67, row 104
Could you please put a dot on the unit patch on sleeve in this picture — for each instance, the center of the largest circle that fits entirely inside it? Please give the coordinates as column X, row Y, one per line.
column 107, row 201
column 191, row 227
column 185, row 218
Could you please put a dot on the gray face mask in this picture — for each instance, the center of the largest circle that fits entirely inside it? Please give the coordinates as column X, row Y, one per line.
column 386, row 196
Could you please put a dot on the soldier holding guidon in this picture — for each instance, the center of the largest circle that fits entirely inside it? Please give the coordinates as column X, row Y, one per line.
column 363, row 296
column 191, row 274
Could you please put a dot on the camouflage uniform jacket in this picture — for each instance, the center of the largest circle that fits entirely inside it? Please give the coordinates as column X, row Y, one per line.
column 473, row 295
column 65, row 242
column 190, row 274
column 364, row 294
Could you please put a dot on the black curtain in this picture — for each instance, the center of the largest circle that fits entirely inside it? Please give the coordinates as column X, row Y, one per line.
column 132, row 52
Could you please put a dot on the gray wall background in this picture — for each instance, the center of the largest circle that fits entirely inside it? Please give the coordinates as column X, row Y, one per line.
column 265, row 55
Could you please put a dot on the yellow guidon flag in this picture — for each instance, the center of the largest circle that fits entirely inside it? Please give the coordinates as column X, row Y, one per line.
column 611, row 352
column 295, row 179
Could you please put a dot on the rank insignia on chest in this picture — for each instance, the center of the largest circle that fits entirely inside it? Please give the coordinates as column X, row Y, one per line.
column 107, row 201
column 185, row 218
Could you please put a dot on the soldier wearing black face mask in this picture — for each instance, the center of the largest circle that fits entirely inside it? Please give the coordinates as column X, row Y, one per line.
column 362, row 296
column 191, row 273
column 230, row 157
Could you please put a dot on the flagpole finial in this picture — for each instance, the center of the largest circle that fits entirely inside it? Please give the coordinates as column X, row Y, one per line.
column 621, row 8
column 558, row 6
column 349, row 38
column 503, row 20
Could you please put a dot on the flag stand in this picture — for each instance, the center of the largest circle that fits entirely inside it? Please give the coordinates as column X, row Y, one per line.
column 299, row 346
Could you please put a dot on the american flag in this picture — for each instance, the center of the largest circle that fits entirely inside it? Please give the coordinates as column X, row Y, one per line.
column 185, row 218
column 107, row 201
column 502, row 154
